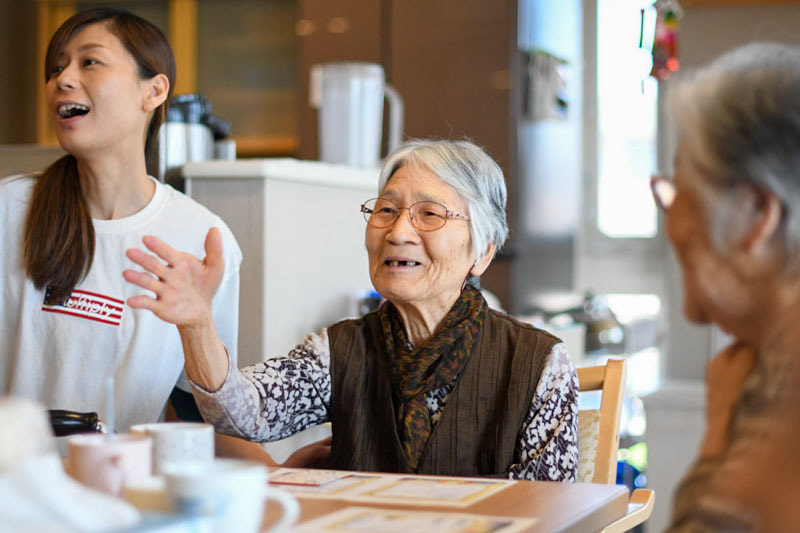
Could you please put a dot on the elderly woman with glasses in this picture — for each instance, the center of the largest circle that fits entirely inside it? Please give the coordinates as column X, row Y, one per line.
column 433, row 381
column 733, row 218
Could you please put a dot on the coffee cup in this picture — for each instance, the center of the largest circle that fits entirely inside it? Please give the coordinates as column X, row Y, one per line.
column 177, row 442
column 108, row 462
column 230, row 491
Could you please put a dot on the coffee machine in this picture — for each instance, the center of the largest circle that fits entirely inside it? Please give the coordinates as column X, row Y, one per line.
column 191, row 132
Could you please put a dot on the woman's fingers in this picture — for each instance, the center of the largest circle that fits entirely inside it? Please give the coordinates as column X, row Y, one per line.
column 214, row 262
column 162, row 249
column 150, row 263
column 184, row 285
column 213, row 246
column 143, row 280
column 142, row 302
column 180, row 264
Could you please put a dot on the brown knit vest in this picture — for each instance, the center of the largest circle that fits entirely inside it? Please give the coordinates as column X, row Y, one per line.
column 477, row 432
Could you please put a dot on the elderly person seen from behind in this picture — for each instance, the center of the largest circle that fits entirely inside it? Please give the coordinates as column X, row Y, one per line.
column 433, row 381
column 733, row 218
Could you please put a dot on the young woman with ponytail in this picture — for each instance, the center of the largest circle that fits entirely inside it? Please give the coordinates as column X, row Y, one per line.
column 64, row 323
column 65, row 326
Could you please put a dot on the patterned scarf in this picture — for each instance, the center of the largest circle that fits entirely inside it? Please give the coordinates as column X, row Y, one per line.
column 416, row 371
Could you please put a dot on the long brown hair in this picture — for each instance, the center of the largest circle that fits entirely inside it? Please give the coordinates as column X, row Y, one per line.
column 59, row 239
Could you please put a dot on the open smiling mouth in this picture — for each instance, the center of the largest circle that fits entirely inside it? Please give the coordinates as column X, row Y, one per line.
column 72, row 110
column 393, row 263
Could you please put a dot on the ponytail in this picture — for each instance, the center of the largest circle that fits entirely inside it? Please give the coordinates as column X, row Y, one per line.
column 58, row 240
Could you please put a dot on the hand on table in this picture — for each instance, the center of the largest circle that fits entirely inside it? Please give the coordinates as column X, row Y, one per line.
column 184, row 285
column 726, row 374
column 314, row 455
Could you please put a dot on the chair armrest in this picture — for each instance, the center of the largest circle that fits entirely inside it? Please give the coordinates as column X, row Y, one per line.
column 640, row 507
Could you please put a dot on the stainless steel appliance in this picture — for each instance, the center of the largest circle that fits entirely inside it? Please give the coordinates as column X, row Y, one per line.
column 191, row 132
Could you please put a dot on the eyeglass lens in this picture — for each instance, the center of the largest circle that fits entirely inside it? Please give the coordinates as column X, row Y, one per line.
column 663, row 191
column 426, row 216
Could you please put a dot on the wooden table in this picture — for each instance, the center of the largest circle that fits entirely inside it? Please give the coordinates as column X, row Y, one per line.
column 577, row 507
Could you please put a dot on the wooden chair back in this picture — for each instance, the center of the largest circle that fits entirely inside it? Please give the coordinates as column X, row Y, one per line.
column 598, row 429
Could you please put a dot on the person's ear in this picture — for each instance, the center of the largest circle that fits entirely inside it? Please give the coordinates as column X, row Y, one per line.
column 765, row 213
column 483, row 263
column 156, row 91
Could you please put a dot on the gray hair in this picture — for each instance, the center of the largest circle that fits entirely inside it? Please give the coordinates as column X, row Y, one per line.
column 469, row 170
column 741, row 118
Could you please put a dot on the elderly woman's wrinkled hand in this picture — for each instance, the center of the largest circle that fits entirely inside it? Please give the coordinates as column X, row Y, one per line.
column 183, row 284
column 726, row 374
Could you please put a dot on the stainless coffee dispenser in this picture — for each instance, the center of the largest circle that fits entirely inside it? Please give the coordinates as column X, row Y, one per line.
column 191, row 132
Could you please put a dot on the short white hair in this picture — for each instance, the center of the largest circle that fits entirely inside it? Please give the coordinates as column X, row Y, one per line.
column 740, row 116
column 469, row 170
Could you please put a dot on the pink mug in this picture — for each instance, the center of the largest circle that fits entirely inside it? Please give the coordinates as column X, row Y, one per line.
column 108, row 463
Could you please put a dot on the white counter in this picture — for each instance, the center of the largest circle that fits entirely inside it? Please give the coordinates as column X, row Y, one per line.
column 294, row 170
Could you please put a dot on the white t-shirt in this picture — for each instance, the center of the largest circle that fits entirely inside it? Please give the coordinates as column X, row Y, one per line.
column 61, row 355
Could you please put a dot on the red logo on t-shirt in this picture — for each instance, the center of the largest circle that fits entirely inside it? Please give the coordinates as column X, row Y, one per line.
column 89, row 305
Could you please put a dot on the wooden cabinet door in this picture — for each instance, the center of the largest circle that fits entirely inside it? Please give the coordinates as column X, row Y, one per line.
column 451, row 62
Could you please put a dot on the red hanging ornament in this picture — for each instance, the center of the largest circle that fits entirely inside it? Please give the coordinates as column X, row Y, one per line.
column 665, row 41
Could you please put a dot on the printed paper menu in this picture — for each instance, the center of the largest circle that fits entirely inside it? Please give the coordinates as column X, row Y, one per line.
column 320, row 483
column 389, row 488
column 306, row 477
column 362, row 519
column 435, row 490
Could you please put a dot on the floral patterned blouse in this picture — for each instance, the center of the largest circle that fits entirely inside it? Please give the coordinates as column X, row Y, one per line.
column 293, row 392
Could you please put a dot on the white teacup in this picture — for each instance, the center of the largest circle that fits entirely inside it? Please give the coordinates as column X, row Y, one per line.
column 231, row 491
column 108, row 462
column 177, row 442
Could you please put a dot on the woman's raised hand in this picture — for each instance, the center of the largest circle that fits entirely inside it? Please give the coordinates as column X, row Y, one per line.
column 184, row 284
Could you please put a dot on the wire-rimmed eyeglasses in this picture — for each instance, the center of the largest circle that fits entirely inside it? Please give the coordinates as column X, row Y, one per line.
column 663, row 188
column 425, row 216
